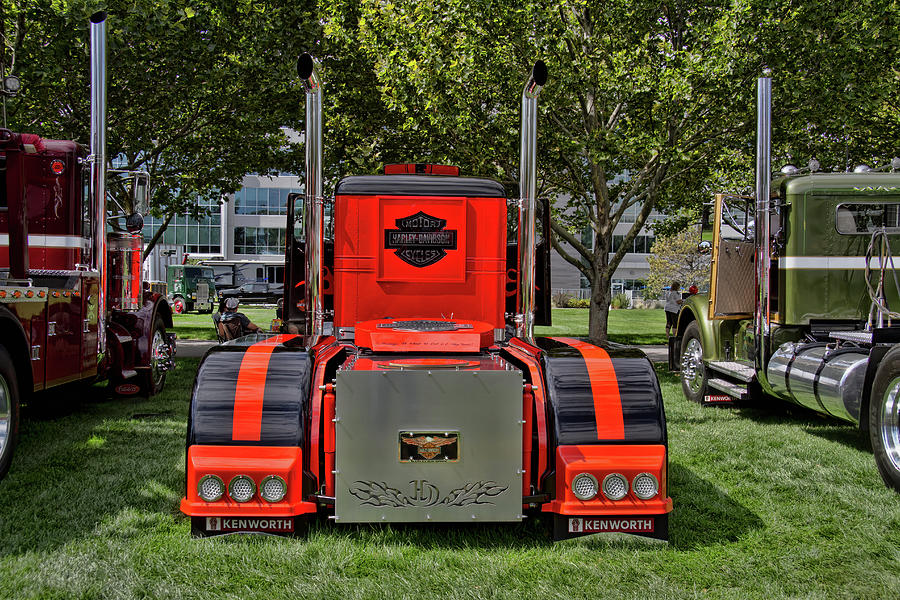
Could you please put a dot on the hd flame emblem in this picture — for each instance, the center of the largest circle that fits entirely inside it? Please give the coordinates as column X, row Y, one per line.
column 429, row 447
column 420, row 239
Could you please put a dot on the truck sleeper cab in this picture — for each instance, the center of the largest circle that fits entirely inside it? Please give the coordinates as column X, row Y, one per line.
column 413, row 400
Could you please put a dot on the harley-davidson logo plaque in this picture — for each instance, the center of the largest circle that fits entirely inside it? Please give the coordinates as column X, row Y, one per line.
column 420, row 239
column 429, row 446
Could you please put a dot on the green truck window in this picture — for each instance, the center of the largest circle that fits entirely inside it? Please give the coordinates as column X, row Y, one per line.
column 863, row 218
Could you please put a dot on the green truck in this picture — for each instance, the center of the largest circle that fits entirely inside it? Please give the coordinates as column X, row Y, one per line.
column 803, row 298
column 191, row 287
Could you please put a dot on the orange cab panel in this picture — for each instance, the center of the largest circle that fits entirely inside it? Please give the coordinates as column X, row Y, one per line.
column 428, row 256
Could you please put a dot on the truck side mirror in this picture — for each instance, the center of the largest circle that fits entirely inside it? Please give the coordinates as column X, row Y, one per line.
column 704, row 247
column 140, row 193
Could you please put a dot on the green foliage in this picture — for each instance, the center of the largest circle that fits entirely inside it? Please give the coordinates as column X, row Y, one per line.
column 621, row 300
column 578, row 303
column 648, row 112
column 197, row 95
column 675, row 258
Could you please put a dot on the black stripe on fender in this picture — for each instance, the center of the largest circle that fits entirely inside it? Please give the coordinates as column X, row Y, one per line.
column 285, row 395
column 572, row 401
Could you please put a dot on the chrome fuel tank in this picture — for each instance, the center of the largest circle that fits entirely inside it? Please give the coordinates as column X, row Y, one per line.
column 824, row 379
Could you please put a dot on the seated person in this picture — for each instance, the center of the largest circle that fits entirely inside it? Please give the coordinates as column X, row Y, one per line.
column 233, row 324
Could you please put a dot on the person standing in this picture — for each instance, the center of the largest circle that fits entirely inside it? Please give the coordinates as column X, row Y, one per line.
column 673, row 303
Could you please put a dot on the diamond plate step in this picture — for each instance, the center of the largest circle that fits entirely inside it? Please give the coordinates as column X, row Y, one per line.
column 734, row 390
column 736, row 370
column 860, row 337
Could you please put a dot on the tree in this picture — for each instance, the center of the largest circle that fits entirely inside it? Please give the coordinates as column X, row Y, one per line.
column 676, row 258
column 649, row 104
column 197, row 94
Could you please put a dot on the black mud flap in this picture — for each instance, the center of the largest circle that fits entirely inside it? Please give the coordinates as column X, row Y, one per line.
column 216, row 526
column 674, row 346
column 566, row 527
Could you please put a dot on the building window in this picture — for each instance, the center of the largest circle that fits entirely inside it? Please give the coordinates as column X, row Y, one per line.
column 259, row 240
column 198, row 237
column 261, row 201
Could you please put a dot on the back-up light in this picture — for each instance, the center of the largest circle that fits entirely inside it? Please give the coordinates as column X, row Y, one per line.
column 615, row 486
column 645, row 486
column 241, row 488
column 273, row 489
column 211, row 488
column 585, row 486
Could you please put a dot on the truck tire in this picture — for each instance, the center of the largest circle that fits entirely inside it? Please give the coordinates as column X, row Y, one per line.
column 178, row 305
column 693, row 373
column 154, row 379
column 884, row 418
column 9, row 410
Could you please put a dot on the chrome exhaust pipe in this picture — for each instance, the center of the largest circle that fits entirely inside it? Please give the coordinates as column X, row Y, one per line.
column 762, row 216
column 98, row 167
column 313, row 205
column 525, row 300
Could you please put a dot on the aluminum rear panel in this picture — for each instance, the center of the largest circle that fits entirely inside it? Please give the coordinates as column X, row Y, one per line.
column 468, row 471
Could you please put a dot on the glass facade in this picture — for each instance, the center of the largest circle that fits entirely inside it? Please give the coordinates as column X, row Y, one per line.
column 642, row 244
column 261, row 201
column 259, row 240
column 197, row 237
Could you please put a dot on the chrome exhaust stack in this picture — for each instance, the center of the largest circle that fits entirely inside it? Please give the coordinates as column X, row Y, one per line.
column 525, row 300
column 762, row 217
column 313, row 207
column 98, row 167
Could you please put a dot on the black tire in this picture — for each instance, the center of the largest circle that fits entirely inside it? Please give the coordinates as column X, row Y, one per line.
column 178, row 305
column 9, row 410
column 154, row 379
column 884, row 418
column 188, row 307
column 694, row 378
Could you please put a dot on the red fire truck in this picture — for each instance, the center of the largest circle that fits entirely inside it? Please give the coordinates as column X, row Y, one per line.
column 407, row 384
column 72, row 305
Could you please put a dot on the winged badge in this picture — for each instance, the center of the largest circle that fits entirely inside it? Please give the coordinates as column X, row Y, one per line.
column 429, row 446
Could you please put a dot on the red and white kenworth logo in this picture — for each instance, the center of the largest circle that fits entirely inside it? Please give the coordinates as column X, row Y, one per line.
column 589, row 525
column 231, row 524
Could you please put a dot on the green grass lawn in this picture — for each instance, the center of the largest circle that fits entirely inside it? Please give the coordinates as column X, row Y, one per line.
column 634, row 326
column 637, row 326
column 193, row 326
column 768, row 503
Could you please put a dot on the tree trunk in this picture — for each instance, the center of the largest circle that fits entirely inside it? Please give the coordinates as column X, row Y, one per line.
column 600, row 297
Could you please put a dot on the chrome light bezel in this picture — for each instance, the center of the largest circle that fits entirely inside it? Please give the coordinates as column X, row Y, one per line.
column 206, row 478
column 234, row 481
column 634, row 487
column 262, row 488
column 621, row 478
column 593, row 480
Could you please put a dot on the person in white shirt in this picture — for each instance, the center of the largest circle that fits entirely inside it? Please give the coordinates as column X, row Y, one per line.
column 673, row 303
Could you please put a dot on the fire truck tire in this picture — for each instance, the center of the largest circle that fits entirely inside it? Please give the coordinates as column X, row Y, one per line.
column 694, row 378
column 178, row 305
column 9, row 410
column 155, row 378
column 884, row 418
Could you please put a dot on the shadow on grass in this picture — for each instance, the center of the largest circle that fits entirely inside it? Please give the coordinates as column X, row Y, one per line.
column 771, row 411
column 96, row 466
column 704, row 515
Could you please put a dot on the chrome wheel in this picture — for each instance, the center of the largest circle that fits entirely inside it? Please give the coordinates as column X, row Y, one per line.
column 693, row 373
column 5, row 414
column 159, row 358
column 890, row 422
